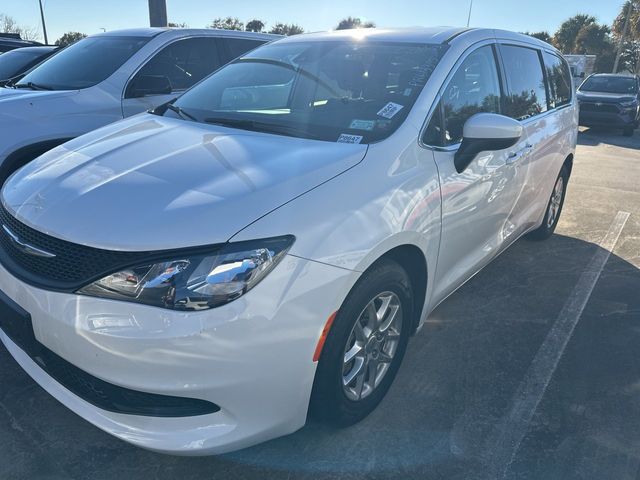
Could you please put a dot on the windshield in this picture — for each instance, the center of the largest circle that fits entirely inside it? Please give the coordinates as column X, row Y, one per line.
column 344, row 91
column 84, row 64
column 15, row 62
column 610, row 85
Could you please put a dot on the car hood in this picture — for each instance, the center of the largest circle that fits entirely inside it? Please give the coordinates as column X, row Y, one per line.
column 24, row 102
column 155, row 183
column 605, row 97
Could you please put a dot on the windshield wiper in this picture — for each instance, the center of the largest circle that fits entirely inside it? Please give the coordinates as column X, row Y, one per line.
column 258, row 126
column 32, row 86
column 181, row 112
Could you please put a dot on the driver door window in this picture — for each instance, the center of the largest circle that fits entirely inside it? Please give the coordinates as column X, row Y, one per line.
column 182, row 63
column 474, row 88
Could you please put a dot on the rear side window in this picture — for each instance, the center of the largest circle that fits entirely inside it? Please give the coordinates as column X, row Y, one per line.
column 559, row 78
column 184, row 62
column 474, row 88
column 525, row 80
column 239, row 46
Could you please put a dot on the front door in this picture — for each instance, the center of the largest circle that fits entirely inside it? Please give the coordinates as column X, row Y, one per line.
column 479, row 213
column 183, row 63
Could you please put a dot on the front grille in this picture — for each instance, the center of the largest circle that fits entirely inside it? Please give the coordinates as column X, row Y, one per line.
column 73, row 265
column 602, row 107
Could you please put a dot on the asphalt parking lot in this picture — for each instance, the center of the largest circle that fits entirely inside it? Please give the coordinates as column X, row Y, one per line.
column 529, row 371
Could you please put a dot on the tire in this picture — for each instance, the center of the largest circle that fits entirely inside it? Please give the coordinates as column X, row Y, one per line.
column 331, row 401
column 554, row 208
column 628, row 131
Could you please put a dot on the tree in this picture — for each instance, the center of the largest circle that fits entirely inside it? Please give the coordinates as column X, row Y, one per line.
column 9, row 25
column 353, row 22
column 254, row 26
column 565, row 38
column 228, row 23
column 544, row 36
column 177, row 25
column 69, row 38
column 630, row 52
column 286, row 29
column 582, row 34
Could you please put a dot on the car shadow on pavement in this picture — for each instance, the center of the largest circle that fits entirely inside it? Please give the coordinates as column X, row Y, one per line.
column 594, row 137
column 456, row 384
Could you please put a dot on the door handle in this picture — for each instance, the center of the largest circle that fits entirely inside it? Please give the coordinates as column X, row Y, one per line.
column 517, row 155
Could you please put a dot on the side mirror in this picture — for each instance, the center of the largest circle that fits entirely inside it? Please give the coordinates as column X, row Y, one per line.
column 486, row 131
column 150, row 85
column 581, row 74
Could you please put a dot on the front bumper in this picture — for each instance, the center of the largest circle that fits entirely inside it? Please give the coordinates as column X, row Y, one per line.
column 251, row 357
column 616, row 117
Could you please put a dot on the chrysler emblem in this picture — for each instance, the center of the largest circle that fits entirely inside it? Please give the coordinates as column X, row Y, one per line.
column 25, row 247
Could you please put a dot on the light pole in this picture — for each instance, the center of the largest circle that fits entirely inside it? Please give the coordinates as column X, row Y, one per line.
column 44, row 26
column 157, row 13
column 469, row 16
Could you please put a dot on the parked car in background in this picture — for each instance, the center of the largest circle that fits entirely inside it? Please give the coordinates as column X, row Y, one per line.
column 610, row 100
column 197, row 279
column 15, row 63
column 11, row 41
column 104, row 78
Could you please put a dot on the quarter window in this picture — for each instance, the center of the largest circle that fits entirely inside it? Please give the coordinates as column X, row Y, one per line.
column 525, row 79
column 474, row 88
column 559, row 78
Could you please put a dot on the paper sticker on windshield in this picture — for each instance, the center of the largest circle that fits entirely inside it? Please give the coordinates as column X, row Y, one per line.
column 389, row 110
column 346, row 138
column 362, row 124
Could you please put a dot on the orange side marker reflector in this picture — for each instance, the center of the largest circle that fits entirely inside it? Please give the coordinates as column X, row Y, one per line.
column 323, row 336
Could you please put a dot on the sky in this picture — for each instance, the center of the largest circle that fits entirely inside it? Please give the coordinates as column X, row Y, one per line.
column 91, row 16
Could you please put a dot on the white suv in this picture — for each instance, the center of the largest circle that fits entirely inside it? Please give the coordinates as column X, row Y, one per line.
column 195, row 279
column 104, row 78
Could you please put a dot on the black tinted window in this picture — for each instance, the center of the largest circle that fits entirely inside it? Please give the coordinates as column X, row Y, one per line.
column 18, row 61
column 184, row 62
column 527, row 92
column 559, row 78
column 474, row 88
column 238, row 46
column 610, row 84
column 85, row 63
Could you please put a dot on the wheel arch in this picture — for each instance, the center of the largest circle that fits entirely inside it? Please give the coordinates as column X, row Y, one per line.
column 413, row 261
column 568, row 162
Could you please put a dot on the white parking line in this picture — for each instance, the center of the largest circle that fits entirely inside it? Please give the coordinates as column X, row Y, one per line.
column 511, row 430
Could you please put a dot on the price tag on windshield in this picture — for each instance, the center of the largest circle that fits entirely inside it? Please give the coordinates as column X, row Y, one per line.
column 389, row 110
column 346, row 138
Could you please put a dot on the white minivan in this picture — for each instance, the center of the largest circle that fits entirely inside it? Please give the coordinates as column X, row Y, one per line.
column 104, row 78
column 199, row 278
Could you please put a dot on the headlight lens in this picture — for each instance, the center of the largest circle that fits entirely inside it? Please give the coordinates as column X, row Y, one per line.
column 630, row 104
column 195, row 282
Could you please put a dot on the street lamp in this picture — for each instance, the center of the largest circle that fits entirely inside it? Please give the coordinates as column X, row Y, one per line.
column 44, row 26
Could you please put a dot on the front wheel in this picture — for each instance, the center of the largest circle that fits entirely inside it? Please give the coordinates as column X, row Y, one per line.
column 554, row 208
column 364, row 347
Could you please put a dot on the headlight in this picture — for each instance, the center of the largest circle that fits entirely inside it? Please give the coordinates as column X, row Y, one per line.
column 630, row 104
column 197, row 281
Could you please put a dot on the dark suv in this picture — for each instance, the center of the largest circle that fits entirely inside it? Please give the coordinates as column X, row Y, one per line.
column 11, row 41
column 610, row 100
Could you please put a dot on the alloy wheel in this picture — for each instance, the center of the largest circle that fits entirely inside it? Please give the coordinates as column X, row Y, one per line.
column 371, row 346
column 555, row 202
